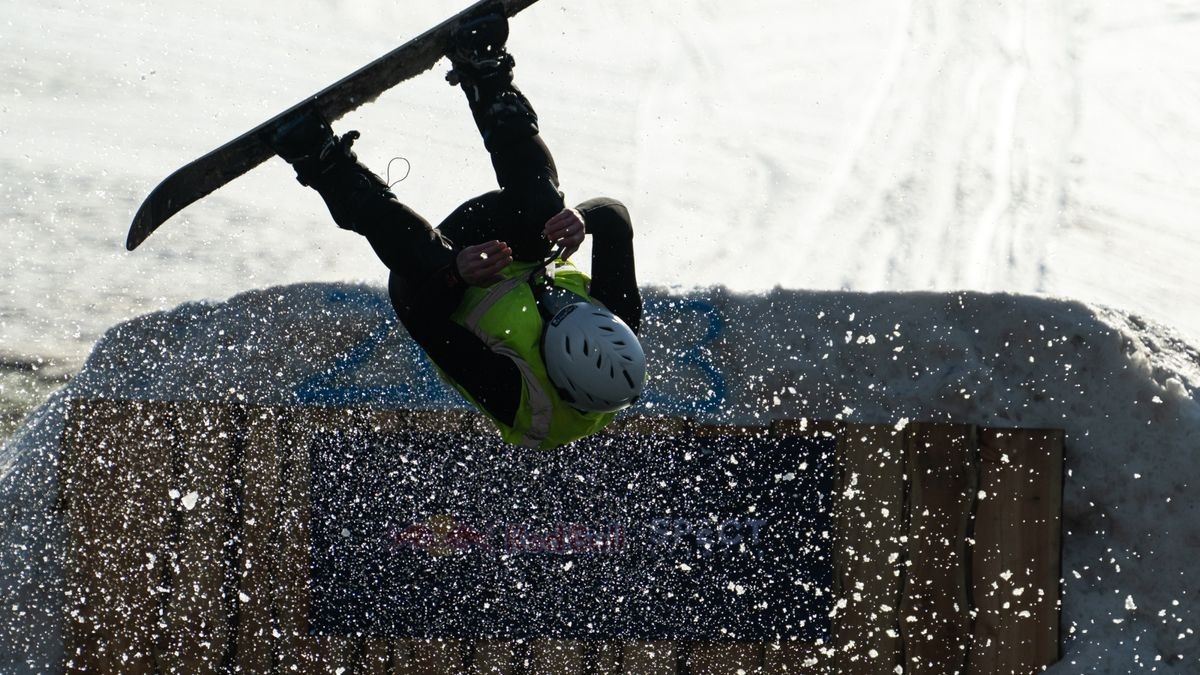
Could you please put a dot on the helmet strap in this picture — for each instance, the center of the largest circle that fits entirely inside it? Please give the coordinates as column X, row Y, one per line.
column 550, row 298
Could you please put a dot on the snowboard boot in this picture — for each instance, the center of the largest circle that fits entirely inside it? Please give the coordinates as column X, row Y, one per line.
column 484, row 69
column 325, row 163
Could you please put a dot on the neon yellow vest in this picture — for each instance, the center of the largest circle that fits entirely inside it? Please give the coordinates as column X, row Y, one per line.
column 505, row 316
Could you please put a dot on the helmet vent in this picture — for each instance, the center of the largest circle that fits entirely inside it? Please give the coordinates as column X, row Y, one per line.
column 568, row 344
column 585, row 348
column 569, row 392
column 629, row 380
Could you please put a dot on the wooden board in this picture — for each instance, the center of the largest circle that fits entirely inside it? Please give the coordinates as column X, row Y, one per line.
column 198, row 611
column 723, row 658
column 260, row 539
column 934, row 619
column 1017, row 556
column 652, row 658
column 791, row 658
column 494, row 656
column 558, row 657
column 870, row 552
column 114, row 482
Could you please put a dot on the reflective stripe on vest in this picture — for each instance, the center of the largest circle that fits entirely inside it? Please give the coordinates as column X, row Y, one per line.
column 541, row 407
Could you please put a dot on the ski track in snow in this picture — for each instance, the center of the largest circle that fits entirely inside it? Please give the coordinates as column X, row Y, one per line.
column 943, row 186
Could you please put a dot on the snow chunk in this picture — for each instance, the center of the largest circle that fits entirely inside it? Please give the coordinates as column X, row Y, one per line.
column 189, row 500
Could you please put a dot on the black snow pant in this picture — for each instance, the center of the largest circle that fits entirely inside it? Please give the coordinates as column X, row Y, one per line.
column 425, row 293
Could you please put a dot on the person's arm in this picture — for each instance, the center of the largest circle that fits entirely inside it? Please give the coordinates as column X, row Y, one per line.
column 614, row 279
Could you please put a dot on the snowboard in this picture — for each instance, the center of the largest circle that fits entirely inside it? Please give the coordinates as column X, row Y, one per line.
column 204, row 175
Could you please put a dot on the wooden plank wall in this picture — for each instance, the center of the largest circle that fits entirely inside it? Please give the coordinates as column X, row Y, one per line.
column 188, row 552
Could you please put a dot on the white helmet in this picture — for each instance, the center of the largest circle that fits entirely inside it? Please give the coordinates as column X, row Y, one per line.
column 594, row 358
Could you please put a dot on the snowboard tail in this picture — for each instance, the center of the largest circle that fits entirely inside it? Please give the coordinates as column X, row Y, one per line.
column 204, row 175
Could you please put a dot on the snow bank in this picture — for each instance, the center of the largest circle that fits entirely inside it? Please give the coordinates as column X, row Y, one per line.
column 1123, row 389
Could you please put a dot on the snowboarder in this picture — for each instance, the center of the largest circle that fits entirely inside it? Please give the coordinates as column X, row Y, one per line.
column 547, row 353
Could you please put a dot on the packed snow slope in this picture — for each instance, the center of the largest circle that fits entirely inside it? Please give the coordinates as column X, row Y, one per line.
column 1123, row 389
column 868, row 145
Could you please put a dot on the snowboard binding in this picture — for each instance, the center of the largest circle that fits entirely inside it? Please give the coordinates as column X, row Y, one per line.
column 476, row 48
column 325, row 162
column 483, row 68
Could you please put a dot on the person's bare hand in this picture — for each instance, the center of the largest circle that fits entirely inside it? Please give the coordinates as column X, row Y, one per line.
column 480, row 265
column 565, row 229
